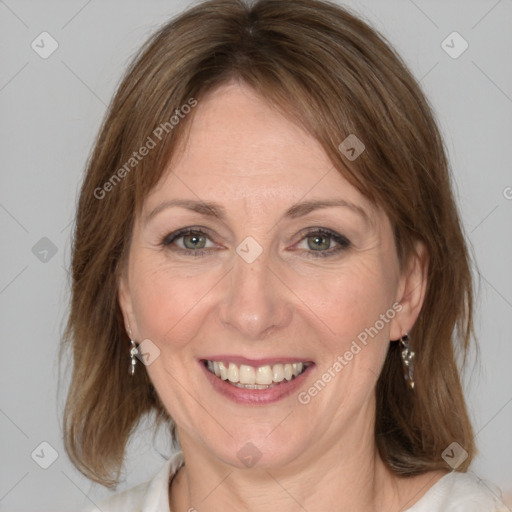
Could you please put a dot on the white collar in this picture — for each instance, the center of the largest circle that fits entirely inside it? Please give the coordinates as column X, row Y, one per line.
column 156, row 498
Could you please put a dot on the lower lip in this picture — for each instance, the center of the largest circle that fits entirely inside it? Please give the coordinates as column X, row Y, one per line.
column 256, row 396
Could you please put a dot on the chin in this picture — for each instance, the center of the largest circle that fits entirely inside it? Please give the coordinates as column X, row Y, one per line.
column 266, row 447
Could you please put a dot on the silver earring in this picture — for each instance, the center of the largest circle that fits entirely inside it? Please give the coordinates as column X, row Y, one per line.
column 407, row 360
column 134, row 352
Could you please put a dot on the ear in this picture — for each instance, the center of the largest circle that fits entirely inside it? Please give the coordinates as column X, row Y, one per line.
column 411, row 292
column 126, row 305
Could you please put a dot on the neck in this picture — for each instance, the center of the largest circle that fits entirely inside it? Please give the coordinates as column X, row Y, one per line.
column 329, row 475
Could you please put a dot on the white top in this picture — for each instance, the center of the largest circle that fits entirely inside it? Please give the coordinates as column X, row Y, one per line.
column 454, row 492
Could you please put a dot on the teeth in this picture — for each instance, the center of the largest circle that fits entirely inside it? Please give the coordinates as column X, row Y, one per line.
column 247, row 375
column 278, row 373
column 255, row 378
column 233, row 373
column 223, row 371
column 264, row 375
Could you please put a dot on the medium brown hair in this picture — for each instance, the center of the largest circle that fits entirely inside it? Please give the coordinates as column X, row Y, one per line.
column 334, row 75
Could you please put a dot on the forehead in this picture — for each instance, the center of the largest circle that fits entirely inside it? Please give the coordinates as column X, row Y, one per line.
column 239, row 147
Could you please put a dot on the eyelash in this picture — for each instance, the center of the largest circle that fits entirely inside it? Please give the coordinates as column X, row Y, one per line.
column 342, row 241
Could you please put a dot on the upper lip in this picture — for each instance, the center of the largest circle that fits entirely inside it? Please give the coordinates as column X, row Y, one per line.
column 238, row 360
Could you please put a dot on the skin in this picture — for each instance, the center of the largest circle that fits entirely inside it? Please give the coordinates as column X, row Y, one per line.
column 245, row 156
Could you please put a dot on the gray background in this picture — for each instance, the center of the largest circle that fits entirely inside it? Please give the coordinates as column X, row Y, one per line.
column 50, row 111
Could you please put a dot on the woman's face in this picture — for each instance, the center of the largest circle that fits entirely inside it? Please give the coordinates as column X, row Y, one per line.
column 254, row 252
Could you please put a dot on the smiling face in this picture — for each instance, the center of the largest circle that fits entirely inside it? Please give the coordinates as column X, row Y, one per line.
column 253, row 250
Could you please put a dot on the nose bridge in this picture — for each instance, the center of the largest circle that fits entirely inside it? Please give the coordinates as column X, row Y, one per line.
column 255, row 303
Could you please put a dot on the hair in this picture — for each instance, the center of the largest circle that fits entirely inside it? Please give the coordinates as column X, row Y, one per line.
column 332, row 74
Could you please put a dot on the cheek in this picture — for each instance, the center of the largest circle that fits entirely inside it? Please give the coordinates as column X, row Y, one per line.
column 354, row 310
column 166, row 302
column 350, row 300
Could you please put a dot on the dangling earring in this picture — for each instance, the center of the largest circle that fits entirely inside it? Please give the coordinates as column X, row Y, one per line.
column 134, row 352
column 407, row 360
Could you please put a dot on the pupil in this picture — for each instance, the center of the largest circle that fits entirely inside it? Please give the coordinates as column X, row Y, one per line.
column 193, row 241
column 322, row 242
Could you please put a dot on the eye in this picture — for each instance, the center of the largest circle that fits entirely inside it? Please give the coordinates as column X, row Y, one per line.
column 189, row 240
column 317, row 242
column 323, row 242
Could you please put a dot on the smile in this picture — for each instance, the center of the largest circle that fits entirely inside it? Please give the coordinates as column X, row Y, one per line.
column 251, row 377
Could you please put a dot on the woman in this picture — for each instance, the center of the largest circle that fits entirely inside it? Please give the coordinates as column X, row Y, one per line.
column 269, row 258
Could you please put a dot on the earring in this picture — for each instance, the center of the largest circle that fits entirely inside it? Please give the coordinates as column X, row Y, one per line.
column 407, row 360
column 134, row 351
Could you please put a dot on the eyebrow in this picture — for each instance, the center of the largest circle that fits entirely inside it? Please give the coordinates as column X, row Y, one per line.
column 211, row 209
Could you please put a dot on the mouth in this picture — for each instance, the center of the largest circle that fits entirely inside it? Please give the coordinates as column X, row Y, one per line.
column 250, row 377
column 255, row 383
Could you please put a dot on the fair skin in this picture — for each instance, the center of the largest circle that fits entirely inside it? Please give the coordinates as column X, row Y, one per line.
column 288, row 303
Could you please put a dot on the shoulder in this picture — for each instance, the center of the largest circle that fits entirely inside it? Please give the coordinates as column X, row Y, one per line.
column 129, row 500
column 461, row 492
column 149, row 496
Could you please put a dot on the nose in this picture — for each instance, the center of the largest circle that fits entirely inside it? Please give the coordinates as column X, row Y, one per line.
column 256, row 301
